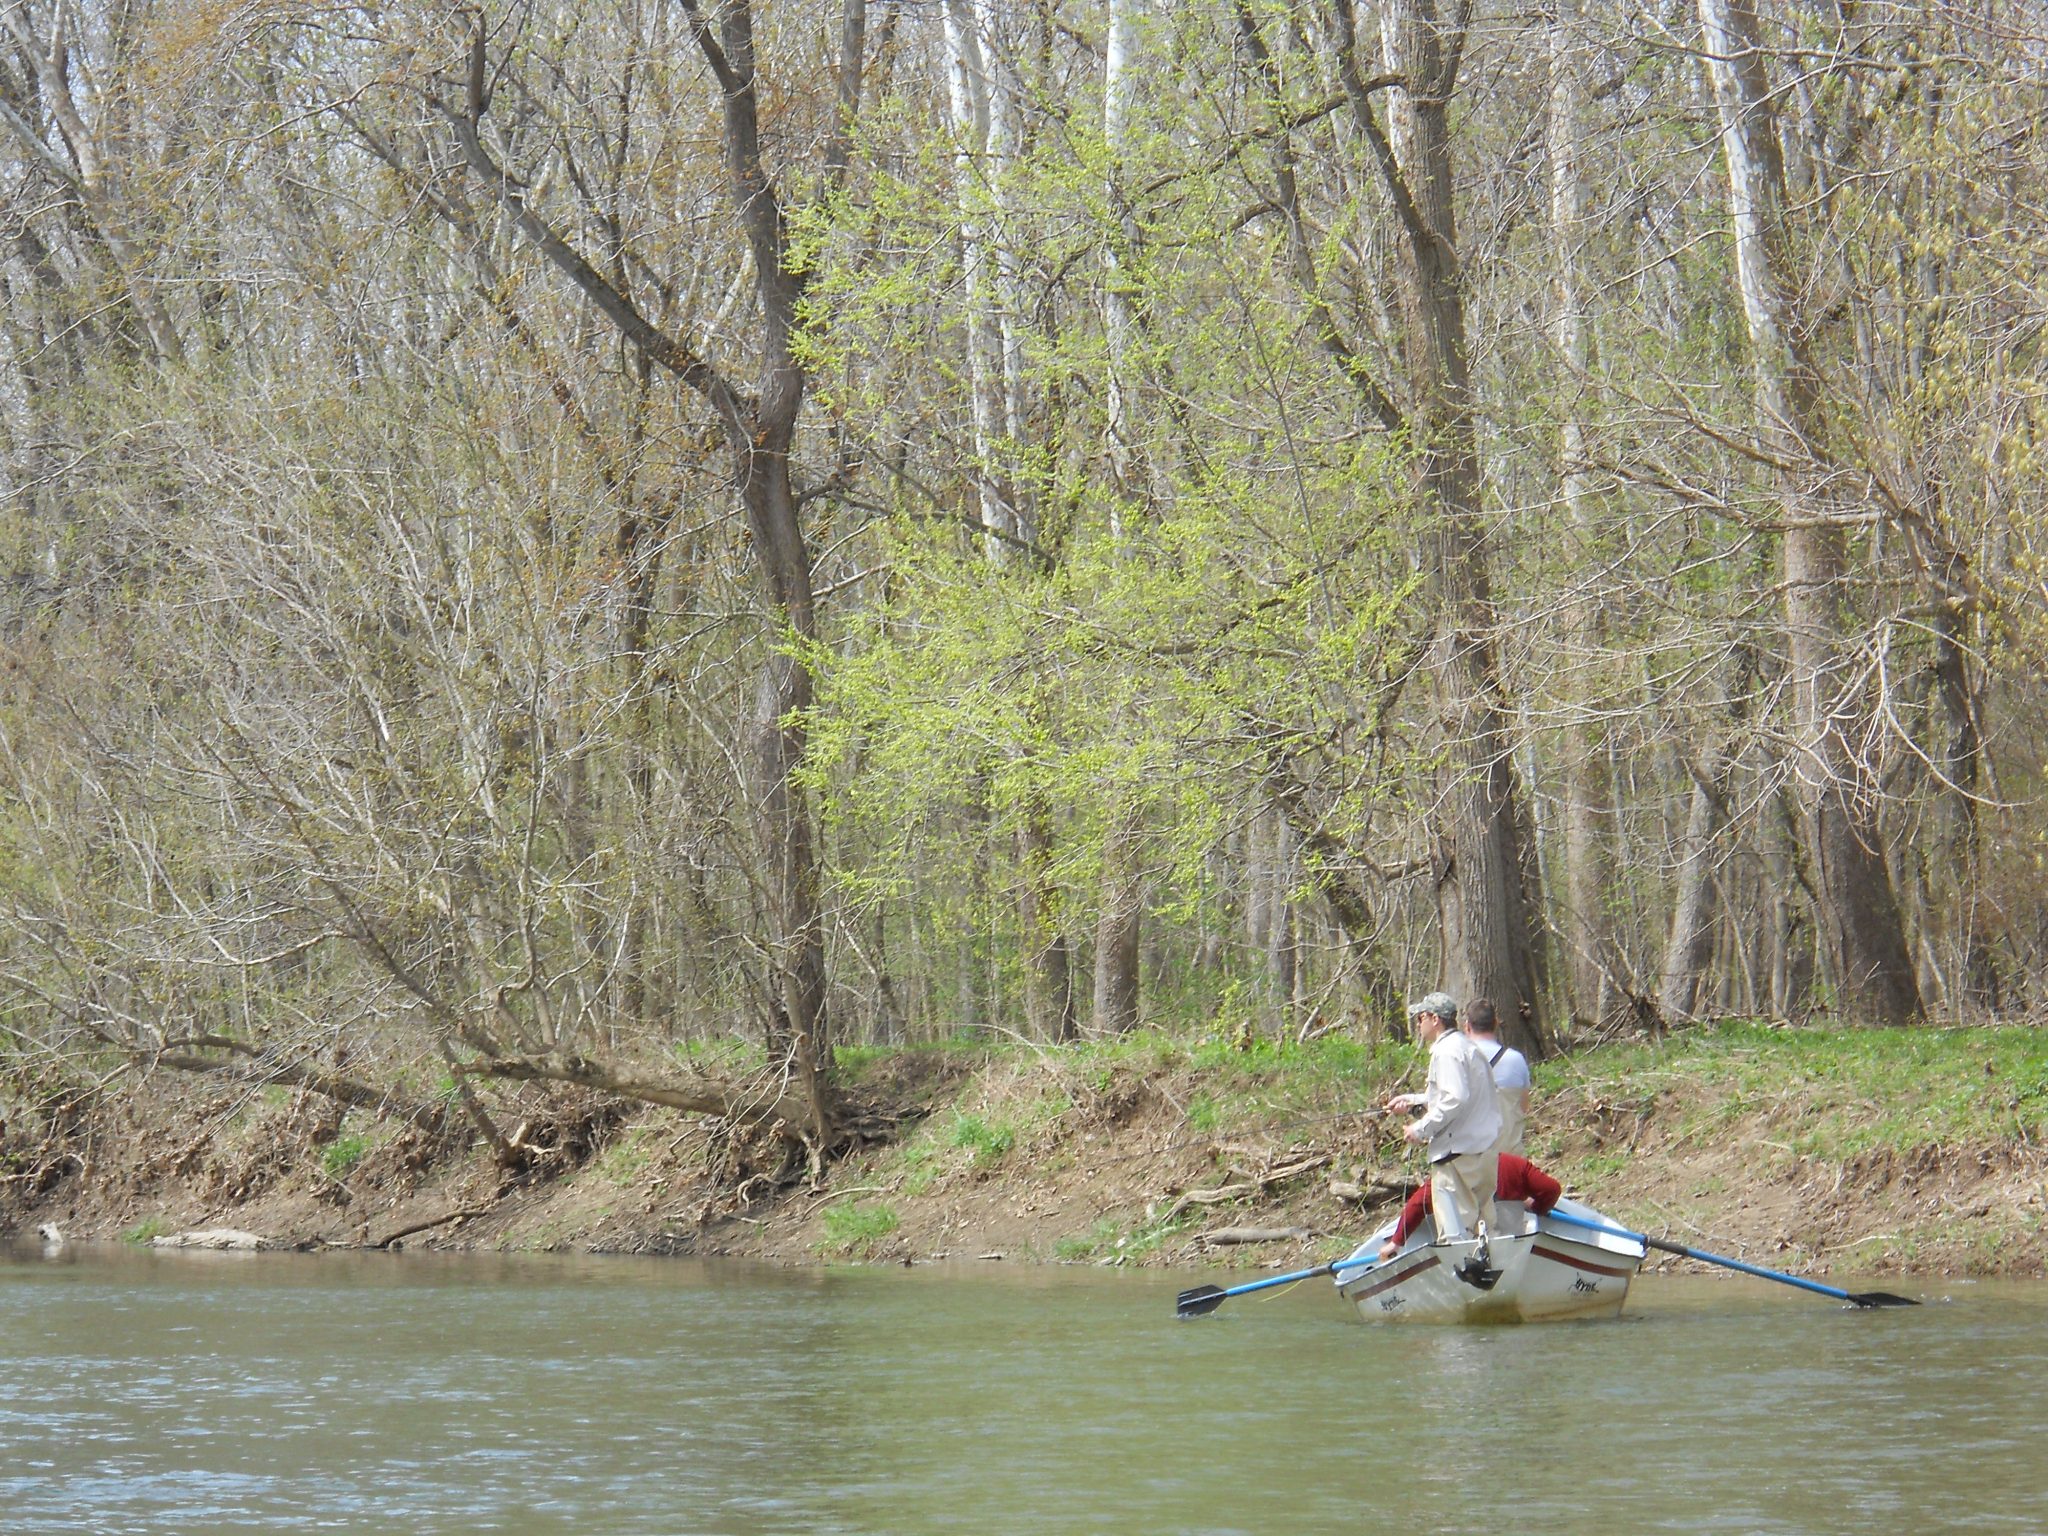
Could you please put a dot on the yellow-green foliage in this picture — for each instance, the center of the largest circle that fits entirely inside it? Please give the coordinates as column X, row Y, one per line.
column 852, row 1230
column 1856, row 1089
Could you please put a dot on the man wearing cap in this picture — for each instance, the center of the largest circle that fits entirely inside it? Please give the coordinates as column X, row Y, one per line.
column 1461, row 1120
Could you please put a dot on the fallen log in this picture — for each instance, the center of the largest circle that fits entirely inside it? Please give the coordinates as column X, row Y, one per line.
column 1373, row 1190
column 1253, row 1184
column 435, row 1221
column 770, row 1106
column 218, row 1238
column 1225, row 1237
column 245, row 1063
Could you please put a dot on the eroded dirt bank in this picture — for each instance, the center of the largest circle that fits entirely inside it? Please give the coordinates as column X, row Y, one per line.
column 1147, row 1155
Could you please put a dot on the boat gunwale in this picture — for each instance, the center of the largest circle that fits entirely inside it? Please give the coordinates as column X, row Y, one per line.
column 1591, row 1253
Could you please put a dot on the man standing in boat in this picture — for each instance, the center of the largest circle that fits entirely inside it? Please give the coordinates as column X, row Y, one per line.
column 1510, row 1069
column 1461, row 1120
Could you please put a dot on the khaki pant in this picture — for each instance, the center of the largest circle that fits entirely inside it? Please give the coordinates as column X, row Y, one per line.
column 1511, row 1121
column 1461, row 1193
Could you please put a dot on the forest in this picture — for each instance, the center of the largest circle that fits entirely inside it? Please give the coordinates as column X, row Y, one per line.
column 640, row 544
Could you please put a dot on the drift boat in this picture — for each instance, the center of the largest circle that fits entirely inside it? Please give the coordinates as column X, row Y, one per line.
column 1569, row 1262
column 1537, row 1269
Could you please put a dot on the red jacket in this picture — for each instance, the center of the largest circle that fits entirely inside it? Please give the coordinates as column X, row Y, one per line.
column 1519, row 1179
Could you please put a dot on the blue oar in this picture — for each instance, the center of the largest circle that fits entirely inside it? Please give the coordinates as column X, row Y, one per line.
column 1861, row 1299
column 1207, row 1298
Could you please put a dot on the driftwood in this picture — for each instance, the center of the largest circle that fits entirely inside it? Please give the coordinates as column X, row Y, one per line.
column 1373, row 1188
column 436, row 1221
column 1253, row 1184
column 1224, row 1237
column 774, row 1108
column 222, row 1238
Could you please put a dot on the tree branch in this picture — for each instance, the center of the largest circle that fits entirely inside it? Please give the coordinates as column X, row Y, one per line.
column 1329, row 335
column 1360, row 91
column 663, row 349
column 253, row 1068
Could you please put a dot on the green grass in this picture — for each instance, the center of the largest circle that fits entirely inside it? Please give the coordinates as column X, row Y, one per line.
column 1601, row 1164
column 1250, row 1082
column 1111, row 1241
column 1329, row 1058
column 986, row 1141
column 147, row 1230
column 853, row 1230
column 856, row 1061
column 1827, row 1093
column 1246, row 1079
column 339, row 1157
column 724, row 1053
column 1079, row 1246
column 1846, row 1091
column 915, row 1165
column 622, row 1160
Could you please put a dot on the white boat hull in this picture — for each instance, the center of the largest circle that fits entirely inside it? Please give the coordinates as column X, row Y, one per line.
column 1546, row 1271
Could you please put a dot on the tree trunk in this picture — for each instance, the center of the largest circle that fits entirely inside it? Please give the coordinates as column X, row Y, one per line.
column 974, row 171
column 759, row 429
column 1792, row 948
column 1690, row 946
column 1976, row 987
column 1119, row 83
column 1283, row 961
column 1489, row 936
column 1119, row 920
column 1588, row 791
column 1048, row 967
column 1863, row 934
column 1118, row 927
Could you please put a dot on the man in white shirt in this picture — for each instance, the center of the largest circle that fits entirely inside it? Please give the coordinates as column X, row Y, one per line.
column 1510, row 1072
column 1461, row 1120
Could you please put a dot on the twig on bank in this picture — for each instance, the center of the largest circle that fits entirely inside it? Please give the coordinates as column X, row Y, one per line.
column 1258, row 1184
column 1224, row 1237
column 437, row 1221
column 842, row 1194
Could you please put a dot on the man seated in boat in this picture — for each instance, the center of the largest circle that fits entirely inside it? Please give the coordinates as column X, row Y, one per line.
column 1519, row 1179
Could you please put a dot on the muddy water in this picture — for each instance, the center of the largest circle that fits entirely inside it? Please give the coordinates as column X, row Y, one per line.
column 203, row 1393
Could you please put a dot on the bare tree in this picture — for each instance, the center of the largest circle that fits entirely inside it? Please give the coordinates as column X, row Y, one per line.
column 1864, row 931
column 1594, row 961
column 760, row 427
column 1490, row 938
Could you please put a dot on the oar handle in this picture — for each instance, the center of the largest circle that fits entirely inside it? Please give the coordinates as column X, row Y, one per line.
column 1704, row 1257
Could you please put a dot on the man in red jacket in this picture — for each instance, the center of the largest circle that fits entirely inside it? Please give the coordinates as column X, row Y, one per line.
column 1519, row 1179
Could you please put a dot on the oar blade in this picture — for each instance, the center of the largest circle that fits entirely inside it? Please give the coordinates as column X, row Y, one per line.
column 1882, row 1299
column 1203, row 1298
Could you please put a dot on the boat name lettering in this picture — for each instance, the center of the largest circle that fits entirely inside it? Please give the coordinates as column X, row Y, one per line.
column 1588, row 1286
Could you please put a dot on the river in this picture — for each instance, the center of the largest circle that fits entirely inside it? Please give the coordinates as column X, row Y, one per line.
column 178, row 1392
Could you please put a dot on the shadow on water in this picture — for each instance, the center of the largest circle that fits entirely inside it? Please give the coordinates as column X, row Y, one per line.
column 157, row 1392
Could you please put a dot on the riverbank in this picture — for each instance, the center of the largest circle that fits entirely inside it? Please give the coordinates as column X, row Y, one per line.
column 1815, row 1150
